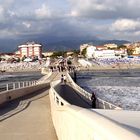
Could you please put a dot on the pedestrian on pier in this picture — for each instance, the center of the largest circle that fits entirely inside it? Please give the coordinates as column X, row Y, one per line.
column 65, row 79
column 93, row 98
column 62, row 78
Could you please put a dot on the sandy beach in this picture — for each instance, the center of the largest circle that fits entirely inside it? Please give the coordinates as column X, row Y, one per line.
column 111, row 67
column 21, row 67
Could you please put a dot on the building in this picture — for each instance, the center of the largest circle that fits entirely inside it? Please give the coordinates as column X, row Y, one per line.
column 111, row 46
column 136, row 48
column 99, row 48
column 30, row 49
column 104, row 54
column 48, row 54
column 70, row 53
column 121, row 52
column 83, row 46
column 89, row 51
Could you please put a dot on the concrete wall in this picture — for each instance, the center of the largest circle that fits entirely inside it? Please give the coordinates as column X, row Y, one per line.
column 75, row 123
column 13, row 94
column 46, row 71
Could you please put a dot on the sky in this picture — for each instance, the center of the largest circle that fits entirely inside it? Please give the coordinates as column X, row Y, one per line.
column 105, row 19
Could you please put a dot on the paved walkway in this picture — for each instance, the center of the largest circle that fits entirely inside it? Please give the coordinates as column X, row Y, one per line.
column 32, row 123
column 29, row 117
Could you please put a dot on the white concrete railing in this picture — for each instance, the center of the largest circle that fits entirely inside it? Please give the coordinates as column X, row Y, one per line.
column 57, row 98
column 45, row 70
column 7, row 96
column 17, row 85
column 46, row 77
column 76, row 123
column 100, row 103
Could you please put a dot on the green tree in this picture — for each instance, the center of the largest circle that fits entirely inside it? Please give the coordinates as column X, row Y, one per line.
column 84, row 51
column 122, row 46
column 69, row 62
column 58, row 53
column 130, row 51
column 76, row 53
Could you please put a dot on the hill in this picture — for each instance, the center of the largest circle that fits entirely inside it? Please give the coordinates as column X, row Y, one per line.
column 54, row 44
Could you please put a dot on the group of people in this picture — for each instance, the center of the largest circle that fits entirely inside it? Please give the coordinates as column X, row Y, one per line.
column 63, row 79
column 61, row 68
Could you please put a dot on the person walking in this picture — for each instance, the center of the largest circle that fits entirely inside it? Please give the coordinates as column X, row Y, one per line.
column 65, row 79
column 93, row 98
column 62, row 78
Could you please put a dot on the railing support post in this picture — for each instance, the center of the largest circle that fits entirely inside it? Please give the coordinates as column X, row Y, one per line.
column 14, row 85
column 19, row 85
column 7, row 87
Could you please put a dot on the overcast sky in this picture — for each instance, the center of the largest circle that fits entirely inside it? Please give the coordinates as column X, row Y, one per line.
column 107, row 19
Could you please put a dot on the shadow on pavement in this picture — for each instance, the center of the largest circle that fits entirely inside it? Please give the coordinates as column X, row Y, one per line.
column 12, row 105
column 71, row 95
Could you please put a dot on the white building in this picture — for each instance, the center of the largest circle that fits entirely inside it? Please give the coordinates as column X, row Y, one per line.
column 121, row 52
column 30, row 49
column 136, row 50
column 83, row 46
column 111, row 46
column 104, row 54
column 90, row 51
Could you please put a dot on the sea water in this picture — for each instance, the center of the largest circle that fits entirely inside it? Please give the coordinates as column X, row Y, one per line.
column 19, row 76
column 121, row 88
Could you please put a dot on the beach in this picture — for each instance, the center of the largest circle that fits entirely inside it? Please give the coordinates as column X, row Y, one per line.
column 109, row 64
column 110, row 67
column 21, row 67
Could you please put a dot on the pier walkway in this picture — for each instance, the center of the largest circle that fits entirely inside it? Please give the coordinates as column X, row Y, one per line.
column 34, row 116
column 31, row 122
column 29, row 117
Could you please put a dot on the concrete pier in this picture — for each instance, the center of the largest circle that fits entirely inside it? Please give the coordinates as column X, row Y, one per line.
column 33, row 116
column 32, row 123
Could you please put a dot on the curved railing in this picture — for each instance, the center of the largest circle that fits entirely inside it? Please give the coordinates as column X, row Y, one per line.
column 17, row 85
column 76, row 123
column 100, row 103
column 46, row 77
column 23, row 84
column 57, row 98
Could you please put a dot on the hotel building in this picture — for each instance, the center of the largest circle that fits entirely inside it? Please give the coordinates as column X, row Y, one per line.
column 30, row 49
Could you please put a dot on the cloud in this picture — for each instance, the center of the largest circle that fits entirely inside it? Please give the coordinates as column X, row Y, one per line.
column 11, row 13
column 106, row 9
column 42, row 12
column 1, row 14
column 70, row 18
column 26, row 24
column 123, row 25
